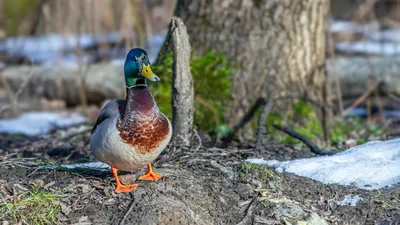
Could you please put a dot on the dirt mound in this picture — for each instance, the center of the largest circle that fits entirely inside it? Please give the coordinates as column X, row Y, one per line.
column 197, row 193
column 203, row 186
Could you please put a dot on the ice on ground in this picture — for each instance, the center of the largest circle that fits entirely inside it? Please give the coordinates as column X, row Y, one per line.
column 373, row 165
column 91, row 165
column 35, row 123
column 350, row 200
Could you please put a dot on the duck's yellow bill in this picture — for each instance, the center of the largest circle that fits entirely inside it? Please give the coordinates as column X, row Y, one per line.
column 148, row 73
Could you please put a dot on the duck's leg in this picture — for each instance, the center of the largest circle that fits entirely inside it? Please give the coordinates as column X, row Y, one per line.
column 150, row 175
column 121, row 187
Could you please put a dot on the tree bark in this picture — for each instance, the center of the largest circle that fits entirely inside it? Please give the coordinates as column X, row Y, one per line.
column 277, row 43
column 182, row 85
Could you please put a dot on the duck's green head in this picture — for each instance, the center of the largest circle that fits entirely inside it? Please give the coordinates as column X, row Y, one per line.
column 137, row 68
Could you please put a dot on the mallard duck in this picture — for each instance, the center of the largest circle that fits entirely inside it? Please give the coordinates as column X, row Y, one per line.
column 129, row 134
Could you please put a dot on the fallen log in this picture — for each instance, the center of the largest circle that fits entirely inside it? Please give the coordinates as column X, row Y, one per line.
column 355, row 71
column 101, row 82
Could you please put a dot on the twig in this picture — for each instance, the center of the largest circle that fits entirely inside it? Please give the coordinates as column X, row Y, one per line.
column 337, row 81
column 363, row 9
column 198, row 138
column 394, row 97
column 10, row 96
column 14, row 97
column 369, row 110
column 249, row 213
column 82, row 69
column 128, row 211
column 262, row 130
column 313, row 147
column 246, row 118
column 380, row 105
column 376, row 91
column 3, row 108
column 363, row 97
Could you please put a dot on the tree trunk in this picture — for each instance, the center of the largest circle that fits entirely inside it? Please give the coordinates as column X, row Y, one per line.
column 276, row 44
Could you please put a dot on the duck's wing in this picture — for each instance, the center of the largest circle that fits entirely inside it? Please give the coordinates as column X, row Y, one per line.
column 109, row 110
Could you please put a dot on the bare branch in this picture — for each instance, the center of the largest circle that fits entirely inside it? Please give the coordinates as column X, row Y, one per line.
column 363, row 97
column 13, row 97
column 313, row 147
column 262, row 130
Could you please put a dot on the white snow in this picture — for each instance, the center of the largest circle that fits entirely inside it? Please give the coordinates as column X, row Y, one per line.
column 373, row 165
column 369, row 47
column 374, row 41
column 35, row 123
column 341, row 26
column 392, row 35
column 56, row 49
column 350, row 200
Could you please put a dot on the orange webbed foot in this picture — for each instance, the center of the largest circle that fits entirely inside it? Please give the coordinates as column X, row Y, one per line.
column 150, row 175
column 120, row 187
column 125, row 188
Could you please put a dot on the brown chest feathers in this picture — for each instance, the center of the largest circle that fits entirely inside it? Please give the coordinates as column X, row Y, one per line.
column 144, row 133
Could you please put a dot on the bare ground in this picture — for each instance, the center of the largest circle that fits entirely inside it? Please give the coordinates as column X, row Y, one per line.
column 203, row 186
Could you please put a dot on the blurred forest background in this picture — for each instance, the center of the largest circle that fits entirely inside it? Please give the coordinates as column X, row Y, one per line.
column 68, row 55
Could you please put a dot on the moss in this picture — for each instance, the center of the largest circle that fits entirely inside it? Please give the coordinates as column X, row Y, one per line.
column 262, row 171
column 271, row 180
column 212, row 86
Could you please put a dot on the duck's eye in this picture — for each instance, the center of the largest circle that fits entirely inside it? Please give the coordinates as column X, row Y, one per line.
column 134, row 59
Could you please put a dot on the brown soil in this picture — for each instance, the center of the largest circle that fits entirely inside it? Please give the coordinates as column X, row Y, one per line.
column 204, row 186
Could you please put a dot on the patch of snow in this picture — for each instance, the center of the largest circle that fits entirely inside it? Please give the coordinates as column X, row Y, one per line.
column 56, row 49
column 392, row 35
column 373, row 165
column 350, row 200
column 370, row 30
column 368, row 47
column 35, row 123
column 348, row 26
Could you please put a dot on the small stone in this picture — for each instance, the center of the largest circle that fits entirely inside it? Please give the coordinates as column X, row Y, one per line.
column 289, row 210
column 256, row 183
